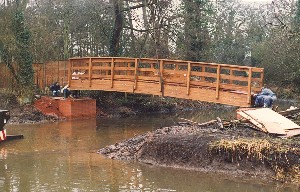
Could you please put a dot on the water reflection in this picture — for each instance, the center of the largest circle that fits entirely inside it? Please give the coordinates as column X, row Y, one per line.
column 62, row 157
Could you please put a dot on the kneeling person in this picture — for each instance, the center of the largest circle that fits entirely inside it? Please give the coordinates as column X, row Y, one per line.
column 265, row 98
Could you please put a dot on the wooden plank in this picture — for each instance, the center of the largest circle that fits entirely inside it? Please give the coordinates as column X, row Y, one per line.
column 174, row 72
column 147, row 78
column 233, row 77
column 290, row 111
column 101, row 68
column 99, row 76
column 253, row 121
column 195, row 83
column 272, row 121
column 258, row 80
column 124, row 68
column 168, row 62
column 124, row 77
column 234, row 87
column 123, row 60
column 101, row 60
column 208, row 95
column 147, row 70
column 81, row 68
column 292, row 132
column 203, row 74
column 257, row 70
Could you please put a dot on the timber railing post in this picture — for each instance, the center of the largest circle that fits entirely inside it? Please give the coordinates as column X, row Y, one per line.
column 69, row 72
column 90, row 71
column 262, row 78
column 188, row 78
column 112, row 73
column 161, row 69
column 136, row 65
column 218, row 81
column 231, row 75
column 249, row 85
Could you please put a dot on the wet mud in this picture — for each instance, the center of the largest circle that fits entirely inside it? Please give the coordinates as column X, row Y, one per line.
column 235, row 152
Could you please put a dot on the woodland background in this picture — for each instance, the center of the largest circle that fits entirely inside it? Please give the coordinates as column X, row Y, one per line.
column 220, row 31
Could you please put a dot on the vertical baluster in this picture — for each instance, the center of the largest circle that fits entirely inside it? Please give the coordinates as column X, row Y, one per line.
column 188, row 78
column 69, row 72
column 161, row 69
column 136, row 65
column 218, row 81
column 249, row 85
column 112, row 72
column 90, row 71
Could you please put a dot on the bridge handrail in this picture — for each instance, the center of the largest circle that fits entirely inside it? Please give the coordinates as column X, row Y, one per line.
column 234, row 78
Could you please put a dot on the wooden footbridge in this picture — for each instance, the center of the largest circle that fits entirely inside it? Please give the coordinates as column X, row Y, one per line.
column 211, row 82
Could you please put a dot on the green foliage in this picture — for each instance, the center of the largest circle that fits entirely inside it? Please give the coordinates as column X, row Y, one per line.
column 15, row 51
column 297, row 15
column 196, row 29
column 199, row 30
column 22, row 55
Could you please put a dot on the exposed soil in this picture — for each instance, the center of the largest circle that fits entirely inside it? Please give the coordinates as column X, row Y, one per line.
column 238, row 152
column 109, row 104
column 22, row 114
column 113, row 104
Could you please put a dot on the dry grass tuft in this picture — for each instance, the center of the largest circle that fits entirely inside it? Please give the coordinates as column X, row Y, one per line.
column 281, row 158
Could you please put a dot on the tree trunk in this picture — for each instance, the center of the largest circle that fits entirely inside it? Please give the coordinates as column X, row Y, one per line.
column 117, row 28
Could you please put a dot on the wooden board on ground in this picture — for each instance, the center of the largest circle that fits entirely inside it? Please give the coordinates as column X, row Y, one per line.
column 270, row 121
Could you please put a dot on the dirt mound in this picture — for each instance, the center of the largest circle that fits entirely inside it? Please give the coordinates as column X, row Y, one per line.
column 237, row 152
column 22, row 113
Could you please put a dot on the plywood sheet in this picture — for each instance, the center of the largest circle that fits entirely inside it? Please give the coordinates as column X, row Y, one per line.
column 271, row 121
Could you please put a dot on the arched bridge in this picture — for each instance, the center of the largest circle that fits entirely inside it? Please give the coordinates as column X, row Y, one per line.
column 211, row 82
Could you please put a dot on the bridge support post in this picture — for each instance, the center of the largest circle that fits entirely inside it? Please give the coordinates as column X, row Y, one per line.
column 218, row 81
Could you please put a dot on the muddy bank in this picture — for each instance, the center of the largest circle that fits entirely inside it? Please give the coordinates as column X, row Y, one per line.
column 108, row 105
column 22, row 114
column 115, row 104
column 237, row 152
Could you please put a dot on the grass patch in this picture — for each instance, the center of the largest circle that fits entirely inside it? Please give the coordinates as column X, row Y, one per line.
column 282, row 156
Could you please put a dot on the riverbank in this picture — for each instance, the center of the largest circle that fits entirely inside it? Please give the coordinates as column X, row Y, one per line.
column 22, row 114
column 235, row 152
column 109, row 104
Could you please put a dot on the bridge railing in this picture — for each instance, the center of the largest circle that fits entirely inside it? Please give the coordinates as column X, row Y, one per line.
column 220, row 83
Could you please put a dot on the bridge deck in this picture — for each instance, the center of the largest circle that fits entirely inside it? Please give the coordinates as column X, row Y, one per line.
column 211, row 82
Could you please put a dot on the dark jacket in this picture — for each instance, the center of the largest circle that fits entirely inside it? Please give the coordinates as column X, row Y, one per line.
column 54, row 87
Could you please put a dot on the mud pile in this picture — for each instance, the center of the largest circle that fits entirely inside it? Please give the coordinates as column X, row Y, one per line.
column 236, row 152
column 22, row 113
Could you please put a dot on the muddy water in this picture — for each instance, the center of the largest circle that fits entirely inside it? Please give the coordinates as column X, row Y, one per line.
column 62, row 157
